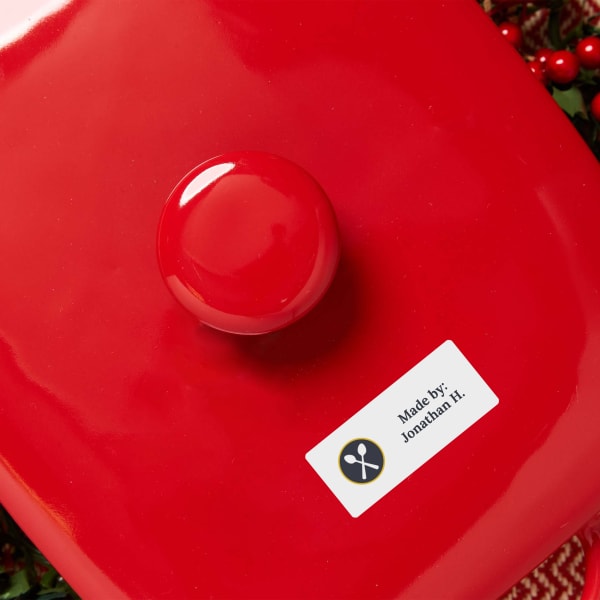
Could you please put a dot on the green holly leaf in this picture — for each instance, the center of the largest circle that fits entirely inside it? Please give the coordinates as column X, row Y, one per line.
column 18, row 585
column 571, row 101
column 588, row 76
column 48, row 578
column 54, row 595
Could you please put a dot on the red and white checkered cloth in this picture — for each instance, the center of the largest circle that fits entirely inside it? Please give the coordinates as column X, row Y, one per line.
column 559, row 577
column 535, row 26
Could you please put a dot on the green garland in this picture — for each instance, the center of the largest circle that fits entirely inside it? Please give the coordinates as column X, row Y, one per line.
column 579, row 97
column 24, row 572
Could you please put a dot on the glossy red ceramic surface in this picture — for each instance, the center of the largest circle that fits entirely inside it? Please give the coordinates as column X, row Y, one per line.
column 248, row 242
column 151, row 456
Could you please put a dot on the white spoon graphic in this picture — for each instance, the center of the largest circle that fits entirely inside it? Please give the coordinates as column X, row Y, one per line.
column 351, row 459
column 362, row 450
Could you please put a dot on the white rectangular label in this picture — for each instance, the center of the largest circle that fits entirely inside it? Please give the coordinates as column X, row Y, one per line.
column 402, row 428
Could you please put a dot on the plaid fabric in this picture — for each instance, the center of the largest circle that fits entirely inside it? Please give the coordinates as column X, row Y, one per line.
column 559, row 577
column 535, row 26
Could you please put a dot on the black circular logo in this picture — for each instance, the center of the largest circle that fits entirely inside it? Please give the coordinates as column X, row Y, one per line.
column 361, row 461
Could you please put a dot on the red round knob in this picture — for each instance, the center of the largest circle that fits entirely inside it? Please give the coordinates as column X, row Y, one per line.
column 248, row 242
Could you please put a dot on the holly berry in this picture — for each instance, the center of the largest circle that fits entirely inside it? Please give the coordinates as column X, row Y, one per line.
column 562, row 66
column 595, row 107
column 537, row 68
column 588, row 52
column 512, row 33
column 543, row 54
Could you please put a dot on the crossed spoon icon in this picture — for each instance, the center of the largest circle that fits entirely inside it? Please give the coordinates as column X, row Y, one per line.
column 351, row 459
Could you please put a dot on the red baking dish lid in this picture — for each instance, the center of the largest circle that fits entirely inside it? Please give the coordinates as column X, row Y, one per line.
column 149, row 455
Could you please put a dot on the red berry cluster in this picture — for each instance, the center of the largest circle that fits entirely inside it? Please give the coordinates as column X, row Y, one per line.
column 568, row 66
column 562, row 66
